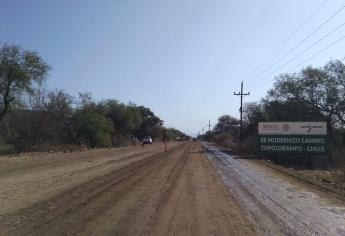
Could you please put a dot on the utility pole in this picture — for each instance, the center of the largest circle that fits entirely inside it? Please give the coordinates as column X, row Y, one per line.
column 209, row 126
column 241, row 111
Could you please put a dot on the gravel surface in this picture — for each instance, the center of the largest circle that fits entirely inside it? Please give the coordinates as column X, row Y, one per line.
column 276, row 204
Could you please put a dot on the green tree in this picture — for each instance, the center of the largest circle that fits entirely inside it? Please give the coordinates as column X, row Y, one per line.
column 20, row 71
column 44, row 125
column 172, row 134
column 92, row 129
column 119, row 114
column 151, row 125
column 289, row 110
column 58, row 111
column 252, row 114
column 122, row 117
column 321, row 90
column 227, row 124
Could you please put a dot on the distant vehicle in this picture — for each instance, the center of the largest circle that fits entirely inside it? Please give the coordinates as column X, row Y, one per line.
column 147, row 140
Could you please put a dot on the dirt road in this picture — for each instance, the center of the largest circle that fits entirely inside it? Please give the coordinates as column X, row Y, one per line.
column 128, row 192
column 278, row 204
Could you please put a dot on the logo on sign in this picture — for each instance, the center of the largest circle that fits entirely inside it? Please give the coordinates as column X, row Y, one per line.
column 285, row 127
column 309, row 127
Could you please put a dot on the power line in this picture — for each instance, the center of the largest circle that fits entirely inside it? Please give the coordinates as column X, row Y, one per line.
column 300, row 42
column 293, row 48
column 320, row 51
column 230, row 100
column 225, row 104
column 289, row 37
column 315, row 54
column 302, row 52
column 229, row 103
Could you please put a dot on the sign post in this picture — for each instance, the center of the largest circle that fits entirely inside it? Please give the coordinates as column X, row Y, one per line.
column 292, row 137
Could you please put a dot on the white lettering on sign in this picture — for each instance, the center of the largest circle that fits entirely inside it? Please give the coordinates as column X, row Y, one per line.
column 283, row 140
column 292, row 148
column 313, row 140
column 315, row 148
column 285, row 148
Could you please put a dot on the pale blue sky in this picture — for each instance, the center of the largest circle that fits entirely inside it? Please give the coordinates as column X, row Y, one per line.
column 183, row 59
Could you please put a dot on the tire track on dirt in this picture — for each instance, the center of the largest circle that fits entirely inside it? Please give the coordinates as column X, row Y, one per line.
column 168, row 176
column 165, row 197
column 43, row 215
column 199, row 203
column 172, row 193
column 61, row 161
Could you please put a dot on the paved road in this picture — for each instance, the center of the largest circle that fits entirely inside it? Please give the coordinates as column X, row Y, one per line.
column 276, row 204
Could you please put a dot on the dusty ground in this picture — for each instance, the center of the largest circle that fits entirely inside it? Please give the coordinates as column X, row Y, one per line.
column 276, row 203
column 133, row 191
column 335, row 177
column 29, row 179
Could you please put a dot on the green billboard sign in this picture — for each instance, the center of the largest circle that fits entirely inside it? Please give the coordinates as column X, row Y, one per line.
column 292, row 137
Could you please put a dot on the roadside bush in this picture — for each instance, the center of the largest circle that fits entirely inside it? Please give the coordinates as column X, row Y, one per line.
column 225, row 140
column 249, row 144
column 92, row 129
column 35, row 119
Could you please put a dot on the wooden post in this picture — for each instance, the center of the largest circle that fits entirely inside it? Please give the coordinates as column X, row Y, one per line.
column 165, row 141
column 241, row 94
